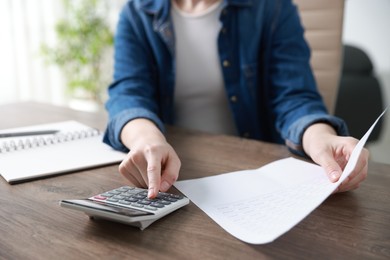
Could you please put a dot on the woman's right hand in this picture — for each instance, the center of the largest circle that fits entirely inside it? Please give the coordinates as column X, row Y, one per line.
column 151, row 162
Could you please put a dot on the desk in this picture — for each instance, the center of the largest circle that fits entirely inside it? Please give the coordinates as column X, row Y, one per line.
column 346, row 226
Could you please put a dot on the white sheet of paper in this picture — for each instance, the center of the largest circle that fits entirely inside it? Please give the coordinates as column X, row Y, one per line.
column 257, row 206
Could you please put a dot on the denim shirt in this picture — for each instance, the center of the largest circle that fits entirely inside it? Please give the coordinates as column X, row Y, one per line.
column 265, row 65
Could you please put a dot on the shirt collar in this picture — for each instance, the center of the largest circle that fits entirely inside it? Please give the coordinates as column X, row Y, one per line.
column 160, row 9
column 156, row 6
column 153, row 6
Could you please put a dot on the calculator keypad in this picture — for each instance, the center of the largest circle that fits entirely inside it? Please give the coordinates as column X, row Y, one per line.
column 137, row 198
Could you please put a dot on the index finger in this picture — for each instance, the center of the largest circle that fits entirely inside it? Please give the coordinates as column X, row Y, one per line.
column 153, row 171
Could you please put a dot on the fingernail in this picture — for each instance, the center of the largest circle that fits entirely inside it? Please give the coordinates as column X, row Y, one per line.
column 165, row 186
column 334, row 176
column 150, row 193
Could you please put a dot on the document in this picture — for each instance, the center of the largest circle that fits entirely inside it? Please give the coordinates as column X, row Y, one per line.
column 257, row 206
column 48, row 149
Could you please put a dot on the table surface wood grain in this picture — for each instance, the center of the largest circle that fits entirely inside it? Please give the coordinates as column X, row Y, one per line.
column 352, row 225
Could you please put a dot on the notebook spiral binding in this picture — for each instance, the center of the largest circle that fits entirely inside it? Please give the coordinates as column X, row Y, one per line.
column 34, row 142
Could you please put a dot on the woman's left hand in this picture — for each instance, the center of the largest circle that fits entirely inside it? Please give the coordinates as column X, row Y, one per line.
column 332, row 153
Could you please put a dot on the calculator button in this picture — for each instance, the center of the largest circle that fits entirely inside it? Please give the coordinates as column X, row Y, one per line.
column 170, row 199
column 150, row 208
column 137, row 205
column 144, row 202
column 123, row 189
column 119, row 197
column 160, row 197
column 165, row 202
column 124, row 202
column 130, row 193
column 107, row 194
column 176, row 196
column 139, row 196
column 112, row 200
column 157, row 205
column 99, row 197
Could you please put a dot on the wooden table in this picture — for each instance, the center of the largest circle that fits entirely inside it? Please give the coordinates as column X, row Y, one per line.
column 350, row 225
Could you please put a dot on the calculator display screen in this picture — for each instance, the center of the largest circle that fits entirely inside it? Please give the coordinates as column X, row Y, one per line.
column 107, row 207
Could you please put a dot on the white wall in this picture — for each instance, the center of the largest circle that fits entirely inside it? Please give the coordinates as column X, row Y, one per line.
column 366, row 25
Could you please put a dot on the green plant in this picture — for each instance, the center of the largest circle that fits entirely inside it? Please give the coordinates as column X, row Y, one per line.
column 83, row 37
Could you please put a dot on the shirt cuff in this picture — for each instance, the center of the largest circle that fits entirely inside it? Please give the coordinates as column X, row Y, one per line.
column 296, row 130
column 116, row 124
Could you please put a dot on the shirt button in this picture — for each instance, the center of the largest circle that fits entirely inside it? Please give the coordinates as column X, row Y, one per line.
column 168, row 33
column 233, row 99
column 226, row 63
column 246, row 135
column 224, row 30
column 224, row 12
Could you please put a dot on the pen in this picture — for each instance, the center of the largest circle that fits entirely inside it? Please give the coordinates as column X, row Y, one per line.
column 40, row 132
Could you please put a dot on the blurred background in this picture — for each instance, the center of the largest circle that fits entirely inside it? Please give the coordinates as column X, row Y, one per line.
column 366, row 26
column 44, row 59
column 57, row 51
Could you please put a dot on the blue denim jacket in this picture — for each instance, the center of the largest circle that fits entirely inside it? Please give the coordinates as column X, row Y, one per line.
column 265, row 66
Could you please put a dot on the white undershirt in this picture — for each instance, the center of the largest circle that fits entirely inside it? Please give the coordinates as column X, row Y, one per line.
column 200, row 97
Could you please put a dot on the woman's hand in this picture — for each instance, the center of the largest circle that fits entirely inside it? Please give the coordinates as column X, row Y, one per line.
column 151, row 162
column 332, row 153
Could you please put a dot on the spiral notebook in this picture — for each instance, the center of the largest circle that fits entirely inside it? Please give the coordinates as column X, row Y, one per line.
column 73, row 147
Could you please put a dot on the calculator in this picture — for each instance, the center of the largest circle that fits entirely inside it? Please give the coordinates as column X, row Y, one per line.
column 128, row 205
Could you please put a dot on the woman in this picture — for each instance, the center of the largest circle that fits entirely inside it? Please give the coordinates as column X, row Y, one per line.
column 234, row 67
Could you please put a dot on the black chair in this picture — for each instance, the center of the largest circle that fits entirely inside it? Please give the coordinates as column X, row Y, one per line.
column 359, row 101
